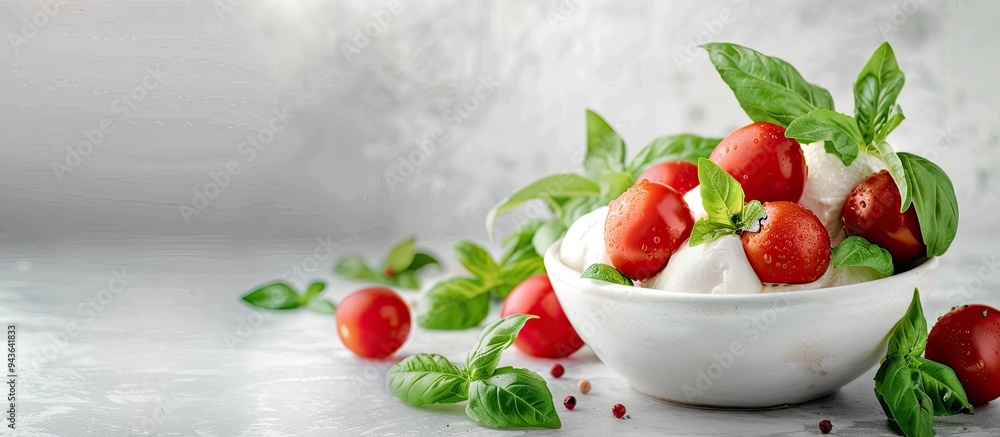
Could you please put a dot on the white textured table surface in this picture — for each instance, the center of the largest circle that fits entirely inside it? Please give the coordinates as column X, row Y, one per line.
column 154, row 358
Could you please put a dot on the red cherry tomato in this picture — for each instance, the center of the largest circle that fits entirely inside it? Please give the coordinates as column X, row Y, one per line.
column 373, row 322
column 792, row 246
column 872, row 211
column 679, row 175
column 645, row 226
column 967, row 339
column 550, row 335
column 769, row 166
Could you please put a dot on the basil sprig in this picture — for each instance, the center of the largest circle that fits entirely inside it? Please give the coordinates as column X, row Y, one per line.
column 912, row 389
column 463, row 302
column 856, row 251
column 504, row 397
column 606, row 176
column 723, row 199
column 398, row 269
column 281, row 296
column 606, row 273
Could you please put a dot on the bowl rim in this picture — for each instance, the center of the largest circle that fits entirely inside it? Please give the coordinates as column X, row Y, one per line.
column 552, row 259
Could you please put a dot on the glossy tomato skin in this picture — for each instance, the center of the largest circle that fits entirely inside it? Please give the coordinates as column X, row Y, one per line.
column 967, row 339
column 373, row 322
column 645, row 226
column 769, row 166
column 550, row 335
column 679, row 175
column 792, row 246
column 872, row 211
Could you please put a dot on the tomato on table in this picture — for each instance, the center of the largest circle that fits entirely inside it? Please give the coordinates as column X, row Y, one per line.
column 769, row 166
column 967, row 339
column 550, row 335
column 373, row 322
column 792, row 246
column 872, row 211
column 645, row 226
column 679, row 175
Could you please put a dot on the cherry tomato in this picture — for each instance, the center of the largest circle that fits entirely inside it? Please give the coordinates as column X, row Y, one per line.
column 967, row 339
column 679, row 175
column 872, row 211
column 645, row 226
column 769, row 166
column 550, row 335
column 792, row 246
column 373, row 322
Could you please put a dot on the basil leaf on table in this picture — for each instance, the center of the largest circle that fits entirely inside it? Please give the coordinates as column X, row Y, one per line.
column 857, row 251
column 497, row 337
column 769, row 89
column 899, row 391
column 875, row 91
column 354, row 267
column 425, row 379
column 825, row 125
column 512, row 398
column 314, row 290
column 605, row 148
column 322, row 306
column 401, row 256
column 276, row 296
column 943, row 387
column 606, row 273
column 565, row 185
column 685, row 147
column 909, row 335
column 455, row 303
column 933, row 197
column 421, row 260
column 477, row 260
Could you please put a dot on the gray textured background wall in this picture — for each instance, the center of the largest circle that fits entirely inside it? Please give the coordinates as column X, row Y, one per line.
column 179, row 86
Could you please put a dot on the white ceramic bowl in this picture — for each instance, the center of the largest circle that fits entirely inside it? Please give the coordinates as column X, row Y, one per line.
column 736, row 351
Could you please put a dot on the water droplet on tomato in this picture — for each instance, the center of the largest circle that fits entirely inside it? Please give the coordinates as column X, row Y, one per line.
column 767, row 258
column 656, row 240
column 755, row 140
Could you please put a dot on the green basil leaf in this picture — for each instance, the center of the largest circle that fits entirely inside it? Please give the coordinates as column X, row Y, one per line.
column 512, row 398
column 752, row 218
column 909, row 336
column 705, row 231
column 836, row 128
column 514, row 273
column 894, row 165
column 686, row 147
column 933, row 196
column 875, row 93
column 425, row 379
column 895, row 118
column 517, row 244
column 606, row 273
column 456, row 303
column 943, row 387
column 406, row 279
column 477, row 260
column 322, row 306
column 276, row 296
column 401, row 256
column 354, row 267
column 899, row 391
column 498, row 336
column 548, row 234
column 314, row 290
column 580, row 206
column 613, row 185
column 857, row 251
column 605, row 148
column 560, row 185
column 721, row 195
column 769, row 89
column 421, row 260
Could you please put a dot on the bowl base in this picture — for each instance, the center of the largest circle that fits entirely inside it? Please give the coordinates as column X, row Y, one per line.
column 696, row 405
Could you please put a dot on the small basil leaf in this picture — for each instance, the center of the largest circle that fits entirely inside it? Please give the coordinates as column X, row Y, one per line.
column 548, row 234
column 613, row 185
column 322, row 306
column 512, row 398
column 895, row 118
column 753, row 216
column 425, row 379
column 497, row 337
column 514, row 273
column 857, row 251
column 721, row 194
column 517, row 244
column 899, row 391
column 875, row 92
column 314, row 290
column 477, row 260
column 894, row 165
column 354, row 267
column 933, row 196
column 943, row 387
column 835, row 128
column 406, row 279
column 606, row 273
column 605, row 148
column 560, row 185
column 401, row 256
column 909, row 336
column 456, row 303
column 769, row 89
column 276, row 296
column 580, row 206
column 684, row 147
column 705, row 231
column 421, row 260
